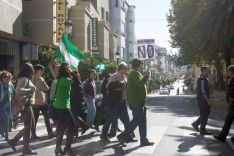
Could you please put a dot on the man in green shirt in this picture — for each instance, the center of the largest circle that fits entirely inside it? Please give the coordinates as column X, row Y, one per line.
column 136, row 100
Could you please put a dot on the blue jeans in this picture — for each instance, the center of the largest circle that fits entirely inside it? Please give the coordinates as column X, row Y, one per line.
column 139, row 119
column 124, row 118
column 91, row 111
column 112, row 116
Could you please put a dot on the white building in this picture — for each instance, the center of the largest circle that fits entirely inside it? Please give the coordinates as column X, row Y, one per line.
column 130, row 33
column 122, row 21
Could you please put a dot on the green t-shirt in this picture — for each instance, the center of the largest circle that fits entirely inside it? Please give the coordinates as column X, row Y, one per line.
column 62, row 95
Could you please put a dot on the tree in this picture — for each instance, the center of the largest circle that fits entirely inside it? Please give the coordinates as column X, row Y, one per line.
column 203, row 30
column 91, row 62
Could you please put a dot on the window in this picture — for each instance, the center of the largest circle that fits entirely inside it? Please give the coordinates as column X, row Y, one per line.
column 103, row 13
column 117, row 3
column 107, row 16
column 122, row 28
column 123, row 6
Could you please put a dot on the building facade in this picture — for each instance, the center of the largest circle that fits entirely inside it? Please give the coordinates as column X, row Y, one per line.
column 117, row 23
column 91, row 27
column 103, row 27
column 130, row 33
column 11, row 35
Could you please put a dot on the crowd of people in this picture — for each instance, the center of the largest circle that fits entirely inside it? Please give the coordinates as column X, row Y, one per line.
column 69, row 104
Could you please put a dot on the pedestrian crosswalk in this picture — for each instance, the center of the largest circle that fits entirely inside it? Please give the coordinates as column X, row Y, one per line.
column 190, row 142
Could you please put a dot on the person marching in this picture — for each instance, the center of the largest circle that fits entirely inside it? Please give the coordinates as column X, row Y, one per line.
column 204, row 102
column 117, row 95
column 78, row 103
column 90, row 94
column 40, row 101
column 6, row 95
column 230, row 100
column 25, row 88
column 136, row 99
column 62, row 109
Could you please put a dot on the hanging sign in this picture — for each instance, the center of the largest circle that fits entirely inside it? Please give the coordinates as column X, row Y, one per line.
column 60, row 18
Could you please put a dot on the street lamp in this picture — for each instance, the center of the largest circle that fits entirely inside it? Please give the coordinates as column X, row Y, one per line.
column 68, row 26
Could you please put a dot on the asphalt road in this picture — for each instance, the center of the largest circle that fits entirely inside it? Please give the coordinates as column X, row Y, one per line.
column 169, row 119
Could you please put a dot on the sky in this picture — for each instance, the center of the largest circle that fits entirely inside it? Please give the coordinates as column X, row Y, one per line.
column 151, row 21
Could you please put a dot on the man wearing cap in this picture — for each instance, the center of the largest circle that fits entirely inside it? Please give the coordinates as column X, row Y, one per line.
column 136, row 100
column 203, row 100
column 230, row 100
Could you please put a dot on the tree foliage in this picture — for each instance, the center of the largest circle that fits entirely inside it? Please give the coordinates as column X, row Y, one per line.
column 91, row 62
column 202, row 29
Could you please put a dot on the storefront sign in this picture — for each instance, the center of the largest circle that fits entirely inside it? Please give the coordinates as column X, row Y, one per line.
column 60, row 18
column 94, row 34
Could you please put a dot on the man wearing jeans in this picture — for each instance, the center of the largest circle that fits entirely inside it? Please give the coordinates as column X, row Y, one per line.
column 136, row 100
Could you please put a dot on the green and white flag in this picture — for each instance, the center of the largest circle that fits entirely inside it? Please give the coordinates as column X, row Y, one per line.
column 68, row 53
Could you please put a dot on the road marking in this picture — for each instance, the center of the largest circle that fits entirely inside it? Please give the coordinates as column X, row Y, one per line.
column 155, row 134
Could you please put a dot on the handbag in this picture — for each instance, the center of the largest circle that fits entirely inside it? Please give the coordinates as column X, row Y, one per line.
column 20, row 103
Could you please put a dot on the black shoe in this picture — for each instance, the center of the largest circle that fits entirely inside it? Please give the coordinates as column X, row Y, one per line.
column 29, row 152
column 147, row 143
column 121, row 141
column 58, row 152
column 6, row 137
column 2, row 134
column 84, row 130
column 232, row 140
column 12, row 144
column 34, row 137
column 68, row 151
column 96, row 128
column 111, row 135
column 131, row 140
column 204, row 132
column 220, row 138
column 195, row 126
column 104, row 138
column 51, row 135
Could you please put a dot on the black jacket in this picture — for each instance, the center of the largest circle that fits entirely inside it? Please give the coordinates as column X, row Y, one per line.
column 114, row 93
column 230, row 93
column 77, row 98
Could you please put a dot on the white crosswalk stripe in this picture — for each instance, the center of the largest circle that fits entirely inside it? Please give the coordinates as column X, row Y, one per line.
column 154, row 133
